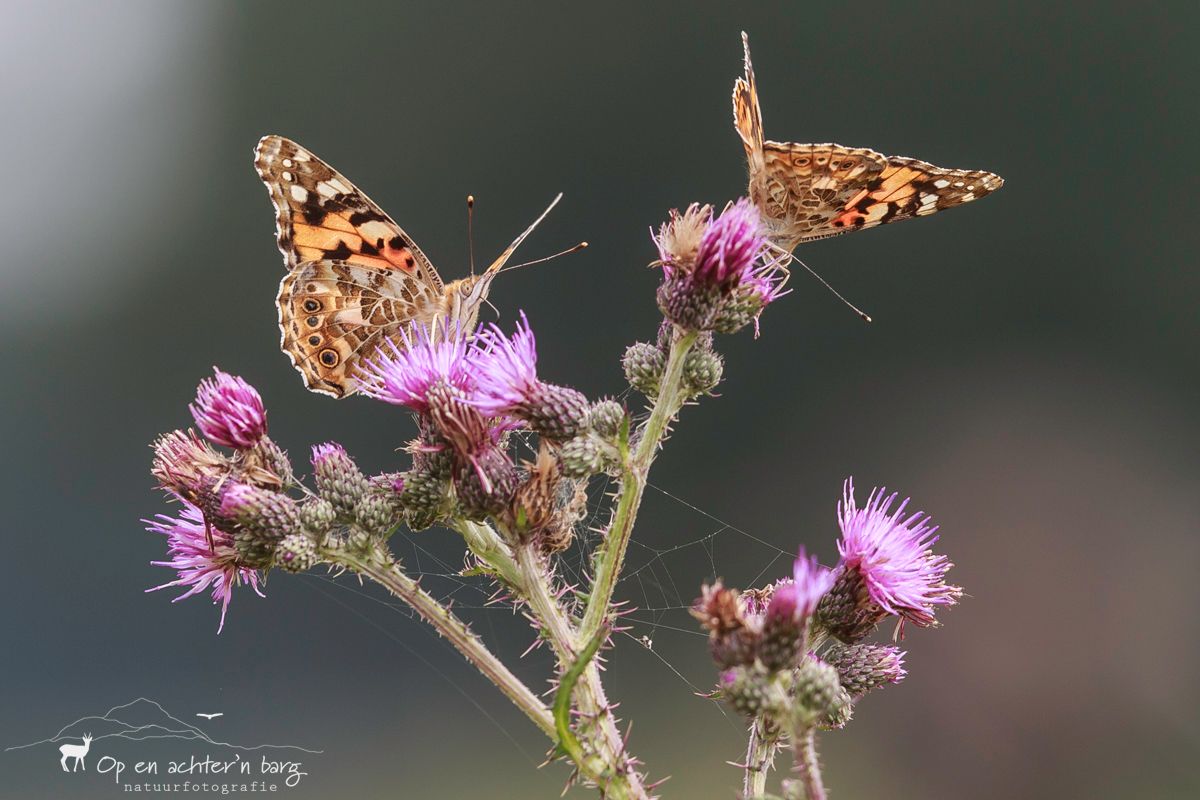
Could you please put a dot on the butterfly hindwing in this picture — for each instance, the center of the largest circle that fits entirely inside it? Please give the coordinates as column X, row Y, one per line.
column 334, row 314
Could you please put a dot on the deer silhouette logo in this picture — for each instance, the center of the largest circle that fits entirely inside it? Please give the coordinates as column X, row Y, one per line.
column 76, row 751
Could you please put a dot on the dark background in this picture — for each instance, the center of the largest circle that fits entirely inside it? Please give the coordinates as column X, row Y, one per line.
column 1030, row 378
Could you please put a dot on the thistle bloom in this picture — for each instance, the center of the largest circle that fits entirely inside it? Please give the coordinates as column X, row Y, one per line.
column 891, row 553
column 731, row 246
column 716, row 274
column 198, row 565
column 810, row 581
column 506, row 382
column 406, row 375
column 229, row 412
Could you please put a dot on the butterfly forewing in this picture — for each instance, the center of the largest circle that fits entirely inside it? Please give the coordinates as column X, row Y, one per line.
column 354, row 276
column 813, row 191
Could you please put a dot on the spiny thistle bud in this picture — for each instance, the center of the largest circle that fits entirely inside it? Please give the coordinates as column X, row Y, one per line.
column 260, row 512
column 338, row 479
column 863, row 667
column 644, row 364
column 506, row 383
column 585, row 456
column 750, row 691
column 733, row 638
column 296, row 553
column 847, row 611
column 424, row 497
column 317, row 515
column 815, row 690
column 840, row 714
column 273, row 459
column 606, row 419
column 229, row 412
column 782, row 629
column 485, row 485
column 378, row 514
column 702, row 371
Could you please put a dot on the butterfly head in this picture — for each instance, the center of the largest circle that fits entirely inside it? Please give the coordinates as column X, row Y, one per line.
column 462, row 299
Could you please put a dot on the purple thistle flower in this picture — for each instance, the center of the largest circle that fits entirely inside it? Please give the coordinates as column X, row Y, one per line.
column 405, row 375
column 731, row 246
column 892, row 555
column 504, row 368
column 229, row 412
column 199, row 565
column 811, row 582
column 506, row 383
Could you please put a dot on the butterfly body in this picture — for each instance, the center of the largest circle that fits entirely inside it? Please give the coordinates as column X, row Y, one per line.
column 813, row 191
column 354, row 278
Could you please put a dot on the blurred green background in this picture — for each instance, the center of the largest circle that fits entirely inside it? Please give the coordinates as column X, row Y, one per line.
column 1030, row 378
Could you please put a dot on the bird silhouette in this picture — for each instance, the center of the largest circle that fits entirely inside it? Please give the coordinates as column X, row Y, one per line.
column 211, row 716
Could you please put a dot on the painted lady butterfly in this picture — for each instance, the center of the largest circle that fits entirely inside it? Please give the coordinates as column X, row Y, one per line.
column 355, row 278
column 814, row 191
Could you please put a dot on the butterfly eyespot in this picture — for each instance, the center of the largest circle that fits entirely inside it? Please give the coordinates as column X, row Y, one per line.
column 312, row 322
column 314, row 340
column 835, row 165
column 802, row 161
column 329, row 357
column 312, row 305
column 312, row 287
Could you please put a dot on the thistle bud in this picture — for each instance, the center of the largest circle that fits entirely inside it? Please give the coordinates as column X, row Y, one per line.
column 378, row 514
column 185, row 464
column 644, row 365
column 585, row 456
column 269, row 515
column 317, row 516
column 815, row 690
column 840, row 714
column 733, row 639
column 338, row 479
column 749, row 690
column 485, row 485
column 863, row 667
column 296, row 553
column 606, row 419
column 702, row 371
column 782, row 629
column 424, row 497
column 274, row 459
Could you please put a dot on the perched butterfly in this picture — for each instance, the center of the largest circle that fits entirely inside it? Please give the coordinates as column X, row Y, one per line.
column 813, row 191
column 355, row 278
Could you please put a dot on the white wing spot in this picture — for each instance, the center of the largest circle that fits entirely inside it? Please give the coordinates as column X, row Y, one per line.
column 287, row 176
column 287, row 162
column 942, row 184
column 299, row 194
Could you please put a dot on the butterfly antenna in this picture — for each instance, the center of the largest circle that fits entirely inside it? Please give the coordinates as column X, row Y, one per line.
column 862, row 314
column 567, row 252
column 470, row 232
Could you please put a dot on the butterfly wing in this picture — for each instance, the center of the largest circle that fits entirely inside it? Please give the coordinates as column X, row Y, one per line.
column 814, row 191
column 354, row 276
column 333, row 314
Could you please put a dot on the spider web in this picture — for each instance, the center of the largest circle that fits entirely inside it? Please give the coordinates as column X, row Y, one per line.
column 658, row 583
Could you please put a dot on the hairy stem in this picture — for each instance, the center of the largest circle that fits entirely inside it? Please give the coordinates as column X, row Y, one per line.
column 380, row 567
column 807, row 767
column 604, row 761
column 483, row 540
column 760, row 757
column 611, row 556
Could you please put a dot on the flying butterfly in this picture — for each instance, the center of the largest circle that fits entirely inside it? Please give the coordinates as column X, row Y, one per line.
column 354, row 277
column 813, row 191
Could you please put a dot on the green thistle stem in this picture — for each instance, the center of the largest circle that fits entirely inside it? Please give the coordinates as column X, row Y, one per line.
column 760, row 757
column 380, row 567
column 611, row 556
